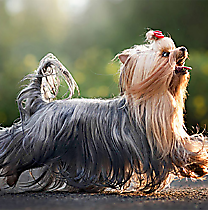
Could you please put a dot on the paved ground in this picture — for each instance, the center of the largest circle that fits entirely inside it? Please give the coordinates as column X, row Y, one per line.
column 181, row 195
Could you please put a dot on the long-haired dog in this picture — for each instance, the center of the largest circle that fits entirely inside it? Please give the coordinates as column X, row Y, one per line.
column 135, row 141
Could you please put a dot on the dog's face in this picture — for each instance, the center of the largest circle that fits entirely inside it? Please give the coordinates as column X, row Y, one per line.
column 154, row 68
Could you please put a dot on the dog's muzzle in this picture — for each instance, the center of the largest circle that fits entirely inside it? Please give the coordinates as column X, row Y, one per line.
column 181, row 57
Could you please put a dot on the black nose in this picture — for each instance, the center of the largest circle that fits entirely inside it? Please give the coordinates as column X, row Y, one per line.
column 183, row 49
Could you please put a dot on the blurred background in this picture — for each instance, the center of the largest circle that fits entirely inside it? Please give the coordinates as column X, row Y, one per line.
column 86, row 35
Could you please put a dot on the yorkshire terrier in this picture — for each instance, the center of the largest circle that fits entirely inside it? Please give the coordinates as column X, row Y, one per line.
column 135, row 141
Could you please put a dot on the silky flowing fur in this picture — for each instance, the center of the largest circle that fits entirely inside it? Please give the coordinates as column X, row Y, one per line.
column 136, row 141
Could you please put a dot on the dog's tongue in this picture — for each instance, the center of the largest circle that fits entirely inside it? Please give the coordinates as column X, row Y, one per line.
column 180, row 68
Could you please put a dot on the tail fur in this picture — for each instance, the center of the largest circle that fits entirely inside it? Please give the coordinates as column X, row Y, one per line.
column 44, row 86
column 42, row 89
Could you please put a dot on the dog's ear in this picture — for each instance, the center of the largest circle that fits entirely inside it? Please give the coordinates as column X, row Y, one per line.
column 123, row 57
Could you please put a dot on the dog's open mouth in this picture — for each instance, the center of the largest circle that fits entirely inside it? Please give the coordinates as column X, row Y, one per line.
column 182, row 69
column 180, row 65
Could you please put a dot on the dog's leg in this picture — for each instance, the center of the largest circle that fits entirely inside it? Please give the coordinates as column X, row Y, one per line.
column 10, row 151
column 12, row 179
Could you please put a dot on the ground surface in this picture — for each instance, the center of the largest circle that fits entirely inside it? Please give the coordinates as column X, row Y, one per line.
column 181, row 195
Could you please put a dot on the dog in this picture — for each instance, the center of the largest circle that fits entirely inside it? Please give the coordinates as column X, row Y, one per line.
column 136, row 141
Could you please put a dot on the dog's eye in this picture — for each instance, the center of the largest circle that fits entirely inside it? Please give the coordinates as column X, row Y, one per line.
column 165, row 54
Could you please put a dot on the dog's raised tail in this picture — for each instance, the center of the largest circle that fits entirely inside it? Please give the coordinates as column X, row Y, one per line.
column 42, row 89
column 44, row 86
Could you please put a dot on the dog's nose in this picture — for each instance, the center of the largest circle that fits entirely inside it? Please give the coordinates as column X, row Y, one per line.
column 183, row 49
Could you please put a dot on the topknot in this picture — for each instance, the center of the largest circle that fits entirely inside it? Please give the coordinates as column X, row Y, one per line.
column 158, row 41
column 154, row 35
column 150, row 36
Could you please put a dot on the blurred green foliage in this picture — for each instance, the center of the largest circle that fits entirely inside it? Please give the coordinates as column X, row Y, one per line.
column 86, row 35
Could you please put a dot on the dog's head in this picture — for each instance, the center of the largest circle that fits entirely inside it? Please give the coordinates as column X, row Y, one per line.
column 153, row 78
column 153, row 68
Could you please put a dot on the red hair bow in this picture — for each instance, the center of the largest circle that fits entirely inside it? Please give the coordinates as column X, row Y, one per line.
column 158, row 34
